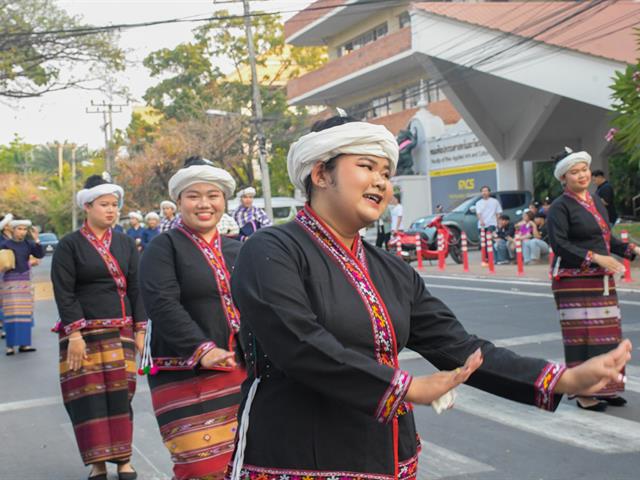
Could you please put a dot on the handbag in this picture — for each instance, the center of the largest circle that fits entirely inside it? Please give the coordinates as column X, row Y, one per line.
column 7, row 260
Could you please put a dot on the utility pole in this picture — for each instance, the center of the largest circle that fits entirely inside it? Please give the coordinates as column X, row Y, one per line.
column 257, row 112
column 60, row 148
column 74, row 207
column 107, row 110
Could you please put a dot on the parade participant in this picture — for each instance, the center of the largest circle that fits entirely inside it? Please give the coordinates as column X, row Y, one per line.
column 228, row 226
column 135, row 229
column 17, row 295
column 151, row 230
column 185, row 284
column 116, row 224
column 5, row 234
column 249, row 217
column 325, row 315
column 583, row 283
column 170, row 219
column 102, row 320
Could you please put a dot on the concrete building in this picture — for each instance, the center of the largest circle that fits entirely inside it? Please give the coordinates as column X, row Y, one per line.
column 526, row 77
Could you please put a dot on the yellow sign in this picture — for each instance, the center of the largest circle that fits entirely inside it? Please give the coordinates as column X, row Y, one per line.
column 480, row 167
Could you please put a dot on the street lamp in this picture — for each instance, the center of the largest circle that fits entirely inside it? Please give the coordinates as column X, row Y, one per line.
column 264, row 169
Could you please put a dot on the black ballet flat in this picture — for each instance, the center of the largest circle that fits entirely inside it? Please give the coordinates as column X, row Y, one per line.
column 127, row 475
column 614, row 401
column 3, row 334
column 10, row 351
column 100, row 476
column 26, row 349
column 598, row 407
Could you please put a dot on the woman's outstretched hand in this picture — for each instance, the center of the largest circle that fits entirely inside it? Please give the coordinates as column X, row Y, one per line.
column 591, row 376
column 426, row 389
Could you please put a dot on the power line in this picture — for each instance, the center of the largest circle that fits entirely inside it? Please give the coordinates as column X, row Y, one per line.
column 126, row 26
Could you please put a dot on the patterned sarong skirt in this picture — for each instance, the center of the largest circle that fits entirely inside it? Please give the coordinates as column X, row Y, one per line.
column 17, row 305
column 98, row 396
column 196, row 411
column 590, row 321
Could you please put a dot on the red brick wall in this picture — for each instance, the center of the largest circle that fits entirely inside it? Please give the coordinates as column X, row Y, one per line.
column 382, row 49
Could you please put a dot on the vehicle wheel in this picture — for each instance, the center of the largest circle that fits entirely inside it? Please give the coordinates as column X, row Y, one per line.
column 455, row 246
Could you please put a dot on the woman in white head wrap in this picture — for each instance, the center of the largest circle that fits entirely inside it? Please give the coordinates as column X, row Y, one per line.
column 17, row 289
column 583, row 273
column 102, row 320
column 324, row 316
column 185, row 282
column 169, row 217
column 151, row 229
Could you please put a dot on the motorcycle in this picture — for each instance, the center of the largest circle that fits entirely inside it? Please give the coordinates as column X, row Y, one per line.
column 428, row 243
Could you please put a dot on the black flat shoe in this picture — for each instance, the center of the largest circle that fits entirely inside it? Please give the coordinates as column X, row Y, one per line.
column 127, row 475
column 10, row 351
column 598, row 407
column 26, row 349
column 614, row 401
column 99, row 476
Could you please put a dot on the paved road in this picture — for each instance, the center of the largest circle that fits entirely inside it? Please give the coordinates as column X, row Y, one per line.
column 483, row 438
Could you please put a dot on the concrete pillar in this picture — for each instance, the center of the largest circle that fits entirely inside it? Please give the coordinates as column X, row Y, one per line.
column 527, row 176
column 510, row 175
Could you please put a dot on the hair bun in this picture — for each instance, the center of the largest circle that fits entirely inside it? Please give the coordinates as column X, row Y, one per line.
column 94, row 181
column 196, row 160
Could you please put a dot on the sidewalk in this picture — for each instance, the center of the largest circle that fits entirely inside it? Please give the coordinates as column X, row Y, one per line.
column 532, row 273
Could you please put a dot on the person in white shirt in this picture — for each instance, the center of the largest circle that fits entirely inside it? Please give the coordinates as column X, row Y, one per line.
column 396, row 213
column 488, row 209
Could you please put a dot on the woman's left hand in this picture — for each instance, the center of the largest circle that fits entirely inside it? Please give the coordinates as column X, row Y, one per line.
column 139, row 339
column 594, row 374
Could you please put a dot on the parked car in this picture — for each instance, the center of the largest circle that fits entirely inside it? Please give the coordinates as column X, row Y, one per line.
column 463, row 217
column 284, row 208
column 49, row 241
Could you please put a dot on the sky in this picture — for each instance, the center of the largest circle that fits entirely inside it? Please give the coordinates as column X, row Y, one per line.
column 60, row 116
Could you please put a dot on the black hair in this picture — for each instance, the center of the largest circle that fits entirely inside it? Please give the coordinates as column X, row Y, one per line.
column 331, row 122
column 94, row 181
column 540, row 215
column 398, row 196
column 196, row 160
column 329, row 165
column 598, row 173
column 506, row 217
column 485, row 186
column 559, row 156
column 535, row 204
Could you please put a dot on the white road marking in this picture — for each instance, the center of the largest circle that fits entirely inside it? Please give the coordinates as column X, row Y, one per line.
column 436, row 463
column 534, row 283
column 46, row 401
column 589, row 430
column 511, row 292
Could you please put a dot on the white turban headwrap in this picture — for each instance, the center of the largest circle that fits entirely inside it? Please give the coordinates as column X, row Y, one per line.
column 247, row 192
column 564, row 165
column 135, row 215
column 185, row 177
column 88, row 195
column 359, row 138
column 5, row 221
column 168, row 203
column 20, row 223
column 151, row 215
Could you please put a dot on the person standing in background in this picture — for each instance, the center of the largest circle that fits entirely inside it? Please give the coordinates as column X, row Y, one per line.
column 384, row 229
column 149, row 232
column 396, row 213
column 135, row 229
column 5, row 234
column 169, row 212
column 17, row 295
column 604, row 190
column 488, row 209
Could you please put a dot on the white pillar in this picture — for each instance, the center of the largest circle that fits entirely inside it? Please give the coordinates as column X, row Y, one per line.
column 527, row 176
column 509, row 175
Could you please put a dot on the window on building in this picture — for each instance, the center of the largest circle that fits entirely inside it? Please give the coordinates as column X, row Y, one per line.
column 363, row 39
column 404, row 19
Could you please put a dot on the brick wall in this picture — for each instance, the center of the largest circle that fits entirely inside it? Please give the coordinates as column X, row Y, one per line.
column 305, row 17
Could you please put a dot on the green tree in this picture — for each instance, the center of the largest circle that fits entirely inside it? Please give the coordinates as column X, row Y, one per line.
column 15, row 156
column 43, row 49
column 626, row 104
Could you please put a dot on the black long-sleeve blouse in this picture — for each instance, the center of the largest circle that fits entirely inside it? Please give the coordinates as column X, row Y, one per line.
column 578, row 229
